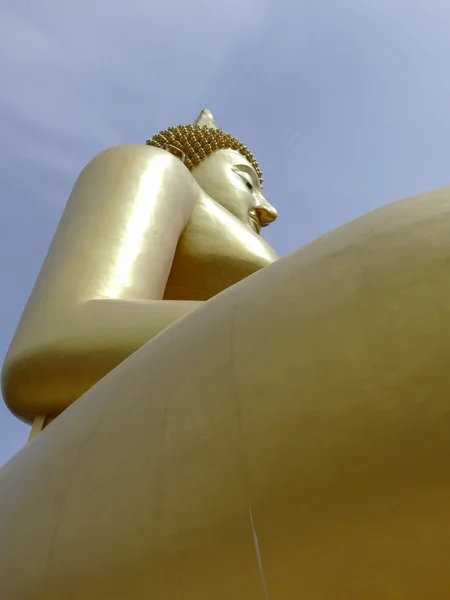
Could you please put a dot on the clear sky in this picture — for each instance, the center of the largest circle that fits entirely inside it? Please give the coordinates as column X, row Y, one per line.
column 345, row 104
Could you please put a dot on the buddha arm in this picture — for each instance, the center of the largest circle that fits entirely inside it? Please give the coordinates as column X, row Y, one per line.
column 98, row 295
column 114, row 329
column 98, row 336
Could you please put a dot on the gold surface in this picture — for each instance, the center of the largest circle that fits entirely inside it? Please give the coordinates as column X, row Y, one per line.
column 140, row 243
column 287, row 438
column 291, row 436
column 37, row 427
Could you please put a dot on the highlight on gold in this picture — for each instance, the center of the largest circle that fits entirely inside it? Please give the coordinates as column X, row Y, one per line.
column 211, row 422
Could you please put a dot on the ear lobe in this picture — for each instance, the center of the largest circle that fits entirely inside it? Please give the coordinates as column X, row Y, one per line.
column 205, row 119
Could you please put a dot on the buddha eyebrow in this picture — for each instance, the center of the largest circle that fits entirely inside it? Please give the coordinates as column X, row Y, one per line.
column 250, row 172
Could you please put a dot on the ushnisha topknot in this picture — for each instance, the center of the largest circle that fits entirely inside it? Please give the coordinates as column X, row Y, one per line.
column 193, row 143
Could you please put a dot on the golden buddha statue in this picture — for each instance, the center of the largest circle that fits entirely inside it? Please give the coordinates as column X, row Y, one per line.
column 142, row 242
column 286, row 438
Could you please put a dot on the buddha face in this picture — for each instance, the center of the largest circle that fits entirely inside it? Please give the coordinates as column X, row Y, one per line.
column 229, row 179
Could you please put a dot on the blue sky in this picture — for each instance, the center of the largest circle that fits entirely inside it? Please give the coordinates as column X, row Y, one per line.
column 344, row 103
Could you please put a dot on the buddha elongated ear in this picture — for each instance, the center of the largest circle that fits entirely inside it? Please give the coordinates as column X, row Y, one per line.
column 205, row 119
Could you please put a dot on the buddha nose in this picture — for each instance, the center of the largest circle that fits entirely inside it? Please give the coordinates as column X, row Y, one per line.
column 266, row 213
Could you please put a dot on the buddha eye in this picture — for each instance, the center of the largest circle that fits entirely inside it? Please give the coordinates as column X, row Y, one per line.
column 245, row 180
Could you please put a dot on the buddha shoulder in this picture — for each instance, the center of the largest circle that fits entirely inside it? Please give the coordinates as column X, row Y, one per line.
column 125, row 159
column 124, row 180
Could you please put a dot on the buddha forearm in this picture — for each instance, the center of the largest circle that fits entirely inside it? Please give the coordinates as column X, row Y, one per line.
column 99, row 335
column 123, row 324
